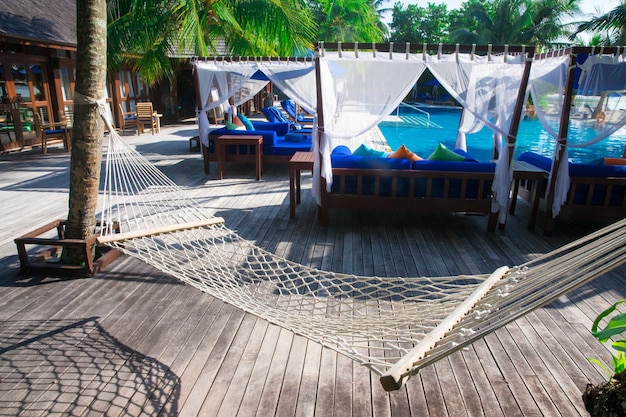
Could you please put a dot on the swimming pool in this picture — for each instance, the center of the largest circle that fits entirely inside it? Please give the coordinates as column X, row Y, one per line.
column 423, row 139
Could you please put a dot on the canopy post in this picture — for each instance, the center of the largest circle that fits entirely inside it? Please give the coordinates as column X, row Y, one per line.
column 561, row 144
column 319, row 132
column 519, row 104
column 517, row 112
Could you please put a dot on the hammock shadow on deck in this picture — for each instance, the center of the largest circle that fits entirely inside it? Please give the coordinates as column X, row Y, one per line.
column 77, row 367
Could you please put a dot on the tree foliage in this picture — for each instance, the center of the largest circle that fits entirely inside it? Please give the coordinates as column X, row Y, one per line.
column 613, row 24
column 516, row 22
column 347, row 21
column 420, row 24
column 147, row 33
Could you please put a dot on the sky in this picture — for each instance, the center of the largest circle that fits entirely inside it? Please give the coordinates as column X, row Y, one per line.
column 587, row 6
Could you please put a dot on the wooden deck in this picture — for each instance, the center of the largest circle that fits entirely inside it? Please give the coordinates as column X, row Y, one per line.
column 133, row 341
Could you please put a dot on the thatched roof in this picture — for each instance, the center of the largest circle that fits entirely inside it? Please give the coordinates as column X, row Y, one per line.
column 47, row 21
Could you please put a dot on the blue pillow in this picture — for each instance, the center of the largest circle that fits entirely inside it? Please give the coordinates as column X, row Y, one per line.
column 464, row 154
column 365, row 150
column 246, row 122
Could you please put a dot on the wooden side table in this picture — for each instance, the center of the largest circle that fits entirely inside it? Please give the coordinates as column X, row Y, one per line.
column 248, row 142
column 298, row 162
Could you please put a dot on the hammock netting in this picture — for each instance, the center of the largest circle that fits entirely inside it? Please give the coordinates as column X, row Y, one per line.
column 376, row 321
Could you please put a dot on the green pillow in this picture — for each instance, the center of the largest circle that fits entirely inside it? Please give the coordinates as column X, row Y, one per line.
column 246, row 122
column 232, row 126
column 365, row 150
column 441, row 153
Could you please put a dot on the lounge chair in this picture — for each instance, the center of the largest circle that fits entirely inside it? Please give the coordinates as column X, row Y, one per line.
column 290, row 107
column 274, row 115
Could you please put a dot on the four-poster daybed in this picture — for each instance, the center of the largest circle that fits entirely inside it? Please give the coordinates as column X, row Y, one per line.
column 577, row 84
column 370, row 81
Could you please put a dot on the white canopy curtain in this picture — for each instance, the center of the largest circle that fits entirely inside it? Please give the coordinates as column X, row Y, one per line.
column 218, row 81
column 547, row 81
column 596, row 105
column 359, row 89
column 487, row 87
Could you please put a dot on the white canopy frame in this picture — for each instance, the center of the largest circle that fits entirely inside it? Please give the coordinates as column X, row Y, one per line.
column 552, row 89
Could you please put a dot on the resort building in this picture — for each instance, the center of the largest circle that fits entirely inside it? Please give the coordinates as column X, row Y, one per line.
column 37, row 74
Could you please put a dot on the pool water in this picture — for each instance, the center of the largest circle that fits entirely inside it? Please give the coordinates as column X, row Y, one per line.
column 422, row 139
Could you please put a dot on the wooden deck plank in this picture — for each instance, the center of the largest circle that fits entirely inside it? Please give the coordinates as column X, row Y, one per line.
column 207, row 363
column 276, row 376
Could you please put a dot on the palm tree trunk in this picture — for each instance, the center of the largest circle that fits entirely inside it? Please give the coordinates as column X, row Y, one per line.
column 88, row 128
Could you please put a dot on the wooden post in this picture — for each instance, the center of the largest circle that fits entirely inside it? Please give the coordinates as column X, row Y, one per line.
column 561, row 143
column 320, row 116
column 519, row 107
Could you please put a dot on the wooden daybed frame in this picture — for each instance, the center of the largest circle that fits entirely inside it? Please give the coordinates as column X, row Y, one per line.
column 590, row 207
column 430, row 202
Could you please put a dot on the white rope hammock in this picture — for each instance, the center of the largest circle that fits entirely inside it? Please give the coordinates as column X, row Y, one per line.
column 394, row 326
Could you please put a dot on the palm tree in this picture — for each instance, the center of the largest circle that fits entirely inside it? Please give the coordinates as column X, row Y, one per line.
column 613, row 22
column 145, row 33
column 348, row 21
column 88, row 127
column 381, row 11
column 517, row 22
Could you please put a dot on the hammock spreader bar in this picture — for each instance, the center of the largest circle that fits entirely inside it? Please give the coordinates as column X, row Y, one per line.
column 396, row 375
column 118, row 237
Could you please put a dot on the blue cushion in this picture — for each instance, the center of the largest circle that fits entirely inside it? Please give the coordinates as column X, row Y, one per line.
column 246, row 122
column 284, row 148
column 54, row 131
column 281, row 129
column 464, row 154
column 537, row 160
column 297, row 137
column 342, row 150
column 367, row 162
column 455, row 166
column 455, row 186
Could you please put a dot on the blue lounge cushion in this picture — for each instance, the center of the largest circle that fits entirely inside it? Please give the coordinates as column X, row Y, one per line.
column 464, row 154
column 537, row 160
column 342, row 150
column 297, row 137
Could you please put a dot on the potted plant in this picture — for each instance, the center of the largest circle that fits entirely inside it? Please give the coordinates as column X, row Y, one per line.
column 609, row 398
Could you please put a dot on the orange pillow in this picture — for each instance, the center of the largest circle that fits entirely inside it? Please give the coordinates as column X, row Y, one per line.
column 405, row 153
column 237, row 121
column 614, row 161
